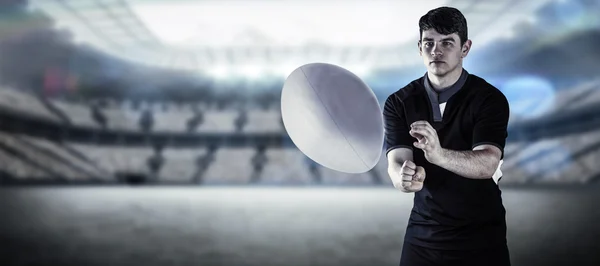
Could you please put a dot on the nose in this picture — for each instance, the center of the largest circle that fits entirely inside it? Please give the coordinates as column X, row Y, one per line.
column 436, row 50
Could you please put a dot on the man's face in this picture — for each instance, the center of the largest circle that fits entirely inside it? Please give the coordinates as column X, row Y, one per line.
column 442, row 53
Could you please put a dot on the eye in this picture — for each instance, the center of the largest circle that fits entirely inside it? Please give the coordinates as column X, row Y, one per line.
column 428, row 44
column 447, row 43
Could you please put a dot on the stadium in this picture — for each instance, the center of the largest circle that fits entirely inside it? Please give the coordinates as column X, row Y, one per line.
column 149, row 132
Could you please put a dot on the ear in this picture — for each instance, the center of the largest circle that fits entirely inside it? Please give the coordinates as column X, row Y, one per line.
column 466, row 48
column 420, row 49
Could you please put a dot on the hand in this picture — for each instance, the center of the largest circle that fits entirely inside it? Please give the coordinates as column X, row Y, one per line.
column 427, row 140
column 411, row 177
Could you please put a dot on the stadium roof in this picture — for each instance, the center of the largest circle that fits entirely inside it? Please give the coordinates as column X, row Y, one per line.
column 265, row 35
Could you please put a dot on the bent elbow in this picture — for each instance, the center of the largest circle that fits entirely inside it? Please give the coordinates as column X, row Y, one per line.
column 490, row 170
column 487, row 174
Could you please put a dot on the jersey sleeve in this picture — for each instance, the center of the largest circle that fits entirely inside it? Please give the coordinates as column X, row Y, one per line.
column 395, row 126
column 491, row 122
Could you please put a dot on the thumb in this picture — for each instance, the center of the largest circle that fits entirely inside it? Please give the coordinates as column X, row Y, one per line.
column 420, row 174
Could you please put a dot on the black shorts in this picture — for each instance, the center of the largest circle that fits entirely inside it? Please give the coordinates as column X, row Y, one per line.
column 413, row 255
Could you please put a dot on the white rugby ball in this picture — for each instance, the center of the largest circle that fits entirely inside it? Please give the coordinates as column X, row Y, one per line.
column 333, row 117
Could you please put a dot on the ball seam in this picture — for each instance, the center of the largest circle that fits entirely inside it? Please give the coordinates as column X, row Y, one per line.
column 330, row 117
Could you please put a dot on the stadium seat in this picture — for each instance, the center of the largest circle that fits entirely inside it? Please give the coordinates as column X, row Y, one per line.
column 232, row 166
column 261, row 121
column 53, row 165
column 79, row 114
column 218, row 121
column 117, row 159
column 19, row 169
column 286, row 167
column 180, row 164
column 22, row 102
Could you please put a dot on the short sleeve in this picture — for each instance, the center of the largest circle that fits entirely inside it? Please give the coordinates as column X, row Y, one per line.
column 395, row 125
column 491, row 122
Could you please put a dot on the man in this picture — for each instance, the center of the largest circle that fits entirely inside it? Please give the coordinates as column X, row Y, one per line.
column 445, row 137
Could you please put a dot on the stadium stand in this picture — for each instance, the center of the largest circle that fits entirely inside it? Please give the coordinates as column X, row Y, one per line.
column 25, row 104
column 566, row 159
column 287, row 167
column 231, row 166
column 510, row 148
column 181, row 165
column 381, row 170
column 263, row 121
column 331, row 177
column 574, row 97
column 74, row 159
column 45, row 159
column 590, row 98
column 122, row 118
column 117, row 159
column 583, row 95
column 77, row 113
column 218, row 121
column 173, row 120
column 13, row 167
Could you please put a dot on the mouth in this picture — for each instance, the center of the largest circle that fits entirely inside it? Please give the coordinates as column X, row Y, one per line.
column 437, row 62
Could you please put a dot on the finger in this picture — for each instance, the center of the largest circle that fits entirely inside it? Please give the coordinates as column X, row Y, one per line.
column 408, row 171
column 420, row 123
column 418, row 145
column 407, row 178
column 409, row 164
column 406, row 185
column 426, row 135
column 414, row 134
column 418, row 178
column 421, row 143
column 420, row 139
column 427, row 128
column 420, row 175
column 424, row 124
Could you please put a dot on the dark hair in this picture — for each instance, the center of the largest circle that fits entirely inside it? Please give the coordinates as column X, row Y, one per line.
column 445, row 20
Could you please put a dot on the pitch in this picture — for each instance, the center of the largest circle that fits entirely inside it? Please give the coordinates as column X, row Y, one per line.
column 266, row 226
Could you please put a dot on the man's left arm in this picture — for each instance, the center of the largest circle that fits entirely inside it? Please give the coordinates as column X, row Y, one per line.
column 489, row 138
column 480, row 163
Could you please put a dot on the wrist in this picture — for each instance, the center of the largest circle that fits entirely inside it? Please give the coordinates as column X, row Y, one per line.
column 441, row 159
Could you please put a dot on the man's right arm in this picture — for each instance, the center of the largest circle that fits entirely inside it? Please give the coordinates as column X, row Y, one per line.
column 396, row 159
column 399, row 149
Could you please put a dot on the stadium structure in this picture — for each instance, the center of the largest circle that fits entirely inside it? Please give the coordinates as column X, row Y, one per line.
column 124, row 106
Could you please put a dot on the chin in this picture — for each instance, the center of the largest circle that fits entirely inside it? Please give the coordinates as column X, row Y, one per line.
column 438, row 72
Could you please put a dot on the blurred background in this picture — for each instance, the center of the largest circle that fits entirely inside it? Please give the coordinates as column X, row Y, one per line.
column 148, row 132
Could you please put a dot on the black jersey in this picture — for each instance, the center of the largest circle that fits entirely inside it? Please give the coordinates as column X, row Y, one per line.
column 452, row 211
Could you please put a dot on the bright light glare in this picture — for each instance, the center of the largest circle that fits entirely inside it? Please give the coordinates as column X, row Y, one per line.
column 219, row 72
column 360, row 70
column 293, row 23
column 286, row 70
column 251, row 72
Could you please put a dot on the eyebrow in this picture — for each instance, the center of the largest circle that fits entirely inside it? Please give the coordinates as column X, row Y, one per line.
column 445, row 39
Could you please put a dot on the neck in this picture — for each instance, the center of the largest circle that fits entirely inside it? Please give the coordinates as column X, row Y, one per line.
column 445, row 81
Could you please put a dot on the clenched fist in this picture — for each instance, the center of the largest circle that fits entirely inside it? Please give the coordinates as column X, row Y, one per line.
column 410, row 178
